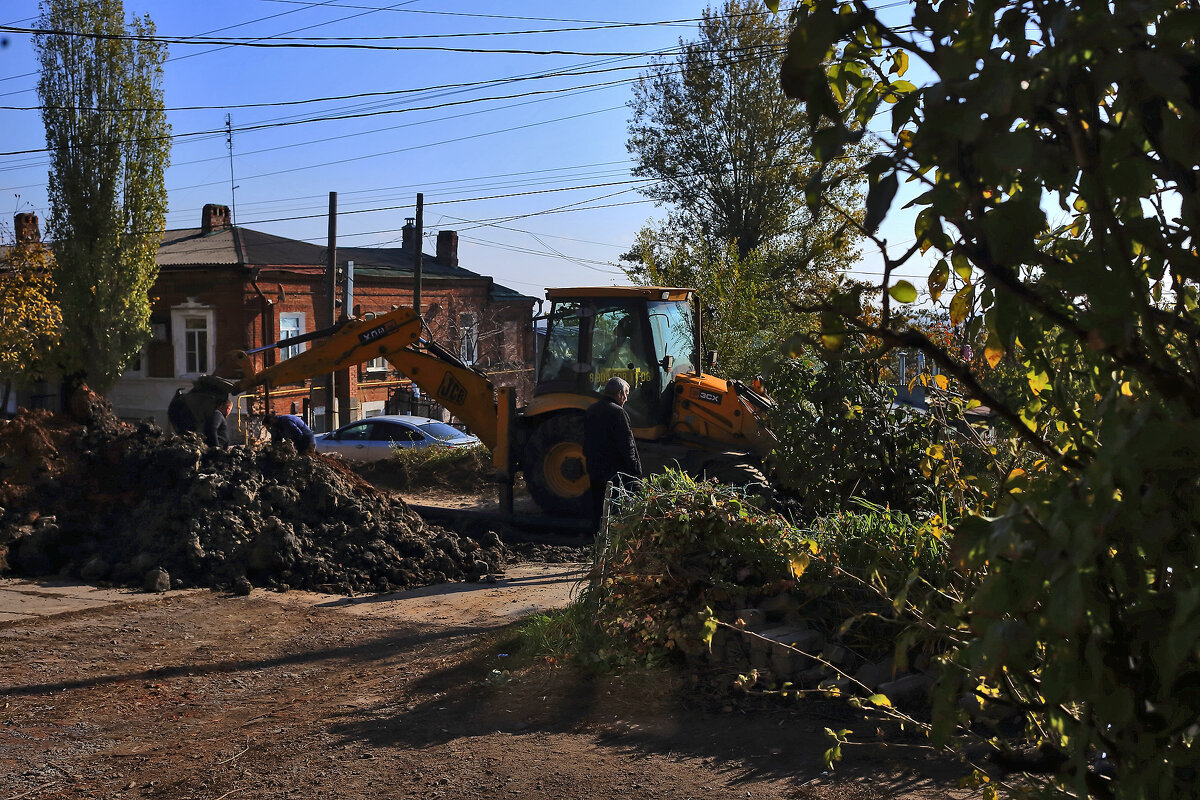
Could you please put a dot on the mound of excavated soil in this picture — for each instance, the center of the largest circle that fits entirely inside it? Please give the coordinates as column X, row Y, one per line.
column 137, row 506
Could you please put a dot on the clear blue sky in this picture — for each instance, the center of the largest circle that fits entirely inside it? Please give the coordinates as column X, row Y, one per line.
column 564, row 206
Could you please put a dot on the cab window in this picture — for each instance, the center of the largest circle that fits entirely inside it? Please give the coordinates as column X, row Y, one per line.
column 621, row 349
column 560, row 353
column 671, row 326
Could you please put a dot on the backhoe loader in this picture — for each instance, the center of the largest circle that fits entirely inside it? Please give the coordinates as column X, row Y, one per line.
column 650, row 336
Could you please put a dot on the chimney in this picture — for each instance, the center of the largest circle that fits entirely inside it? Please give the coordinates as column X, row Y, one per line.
column 214, row 218
column 26, row 228
column 447, row 248
column 406, row 233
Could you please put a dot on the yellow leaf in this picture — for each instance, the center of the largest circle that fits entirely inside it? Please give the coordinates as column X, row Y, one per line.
column 905, row 138
column 798, row 564
column 880, row 700
column 1126, row 390
column 993, row 350
column 833, row 341
column 961, row 304
column 942, row 382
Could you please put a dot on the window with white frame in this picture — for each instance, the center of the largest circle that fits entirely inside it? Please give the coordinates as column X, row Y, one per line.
column 469, row 328
column 193, row 339
column 291, row 324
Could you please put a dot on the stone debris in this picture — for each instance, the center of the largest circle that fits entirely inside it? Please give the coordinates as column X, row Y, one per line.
column 132, row 505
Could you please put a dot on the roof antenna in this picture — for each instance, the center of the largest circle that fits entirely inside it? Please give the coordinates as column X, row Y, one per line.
column 232, row 188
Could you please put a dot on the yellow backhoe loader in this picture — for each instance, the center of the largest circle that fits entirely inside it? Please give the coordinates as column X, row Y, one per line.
column 650, row 336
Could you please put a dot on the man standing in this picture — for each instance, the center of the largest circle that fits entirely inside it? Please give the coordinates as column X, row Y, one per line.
column 216, row 432
column 202, row 412
column 608, row 444
column 291, row 428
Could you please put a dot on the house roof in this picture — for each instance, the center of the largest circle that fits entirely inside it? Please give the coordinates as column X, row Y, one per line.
column 238, row 246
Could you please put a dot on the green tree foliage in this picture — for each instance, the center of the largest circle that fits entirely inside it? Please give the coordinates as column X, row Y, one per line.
column 748, row 299
column 843, row 438
column 728, row 150
column 30, row 321
column 1054, row 148
column 109, row 142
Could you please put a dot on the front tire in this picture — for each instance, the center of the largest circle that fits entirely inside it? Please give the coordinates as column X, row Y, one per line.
column 555, row 471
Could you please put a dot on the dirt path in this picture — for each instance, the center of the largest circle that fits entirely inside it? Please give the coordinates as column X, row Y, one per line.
column 296, row 695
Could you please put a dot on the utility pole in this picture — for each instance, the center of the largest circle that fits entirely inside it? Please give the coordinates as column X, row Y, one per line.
column 345, row 400
column 331, row 293
column 232, row 188
column 418, row 236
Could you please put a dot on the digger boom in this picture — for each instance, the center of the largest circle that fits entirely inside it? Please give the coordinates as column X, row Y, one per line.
column 395, row 336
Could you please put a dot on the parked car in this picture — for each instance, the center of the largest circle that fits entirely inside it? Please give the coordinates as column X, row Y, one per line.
column 374, row 438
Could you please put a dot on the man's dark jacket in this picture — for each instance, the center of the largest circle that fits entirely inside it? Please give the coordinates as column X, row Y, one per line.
column 608, row 443
column 293, row 428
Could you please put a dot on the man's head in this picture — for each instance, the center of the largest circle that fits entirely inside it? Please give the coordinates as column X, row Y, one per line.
column 617, row 389
column 226, row 406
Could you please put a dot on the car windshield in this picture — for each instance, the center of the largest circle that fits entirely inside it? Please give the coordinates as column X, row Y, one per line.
column 440, row 430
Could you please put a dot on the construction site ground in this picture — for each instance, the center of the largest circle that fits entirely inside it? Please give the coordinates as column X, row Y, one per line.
column 197, row 694
column 305, row 634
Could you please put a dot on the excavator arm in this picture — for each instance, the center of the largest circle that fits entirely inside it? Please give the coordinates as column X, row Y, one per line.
column 345, row 345
column 464, row 392
column 395, row 336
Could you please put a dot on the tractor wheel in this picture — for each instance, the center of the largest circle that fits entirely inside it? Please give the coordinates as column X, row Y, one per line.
column 554, row 468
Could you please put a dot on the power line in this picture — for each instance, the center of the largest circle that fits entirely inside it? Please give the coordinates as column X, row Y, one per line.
column 361, row 115
column 569, row 72
column 317, row 45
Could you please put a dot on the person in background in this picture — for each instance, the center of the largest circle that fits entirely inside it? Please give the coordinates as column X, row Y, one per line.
column 608, row 444
column 289, row 427
column 216, row 430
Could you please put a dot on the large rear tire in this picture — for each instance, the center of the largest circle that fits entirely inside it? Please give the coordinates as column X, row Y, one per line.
column 555, row 471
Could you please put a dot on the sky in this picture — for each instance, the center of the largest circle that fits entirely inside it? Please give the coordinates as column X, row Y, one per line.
column 531, row 171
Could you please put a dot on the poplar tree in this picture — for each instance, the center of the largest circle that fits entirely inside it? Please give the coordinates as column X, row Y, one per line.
column 109, row 141
column 730, row 152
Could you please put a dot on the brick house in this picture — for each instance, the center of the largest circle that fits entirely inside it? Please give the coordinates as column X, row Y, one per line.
column 223, row 288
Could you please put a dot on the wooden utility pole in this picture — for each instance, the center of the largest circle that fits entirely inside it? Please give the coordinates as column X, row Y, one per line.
column 331, row 293
column 418, row 236
column 345, row 399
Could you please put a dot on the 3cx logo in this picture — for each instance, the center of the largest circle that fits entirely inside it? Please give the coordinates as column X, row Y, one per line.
column 451, row 391
column 710, row 397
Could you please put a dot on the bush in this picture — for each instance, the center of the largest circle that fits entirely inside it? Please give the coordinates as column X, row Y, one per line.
column 841, row 437
column 467, row 469
column 678, row 551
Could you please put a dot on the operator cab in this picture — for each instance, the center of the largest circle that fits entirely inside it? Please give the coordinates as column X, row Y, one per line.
column 645, row 335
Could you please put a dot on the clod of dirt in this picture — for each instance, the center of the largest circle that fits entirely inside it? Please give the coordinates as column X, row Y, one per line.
column 135, row 506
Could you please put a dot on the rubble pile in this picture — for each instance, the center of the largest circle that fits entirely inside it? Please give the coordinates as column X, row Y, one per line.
column 133, row 505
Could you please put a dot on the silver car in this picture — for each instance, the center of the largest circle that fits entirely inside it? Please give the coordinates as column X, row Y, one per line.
column 375, row 438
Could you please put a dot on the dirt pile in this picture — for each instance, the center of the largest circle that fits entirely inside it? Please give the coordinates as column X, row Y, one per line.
column 133, row 505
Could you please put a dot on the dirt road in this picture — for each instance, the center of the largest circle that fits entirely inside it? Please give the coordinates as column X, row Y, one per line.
column 196, row 695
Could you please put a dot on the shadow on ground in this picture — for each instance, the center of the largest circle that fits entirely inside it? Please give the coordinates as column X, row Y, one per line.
column 642, row 714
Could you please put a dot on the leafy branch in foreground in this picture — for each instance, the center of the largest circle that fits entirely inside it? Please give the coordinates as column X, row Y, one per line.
column 1084, row 612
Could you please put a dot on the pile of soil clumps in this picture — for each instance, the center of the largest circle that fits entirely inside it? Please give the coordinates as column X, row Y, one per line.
column 133, row 505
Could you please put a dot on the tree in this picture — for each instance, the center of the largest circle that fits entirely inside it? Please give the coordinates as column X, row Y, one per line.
column 728, row 150
column 1081, row 611
column 745, row 297
column 109, row 142
column 29, row 320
